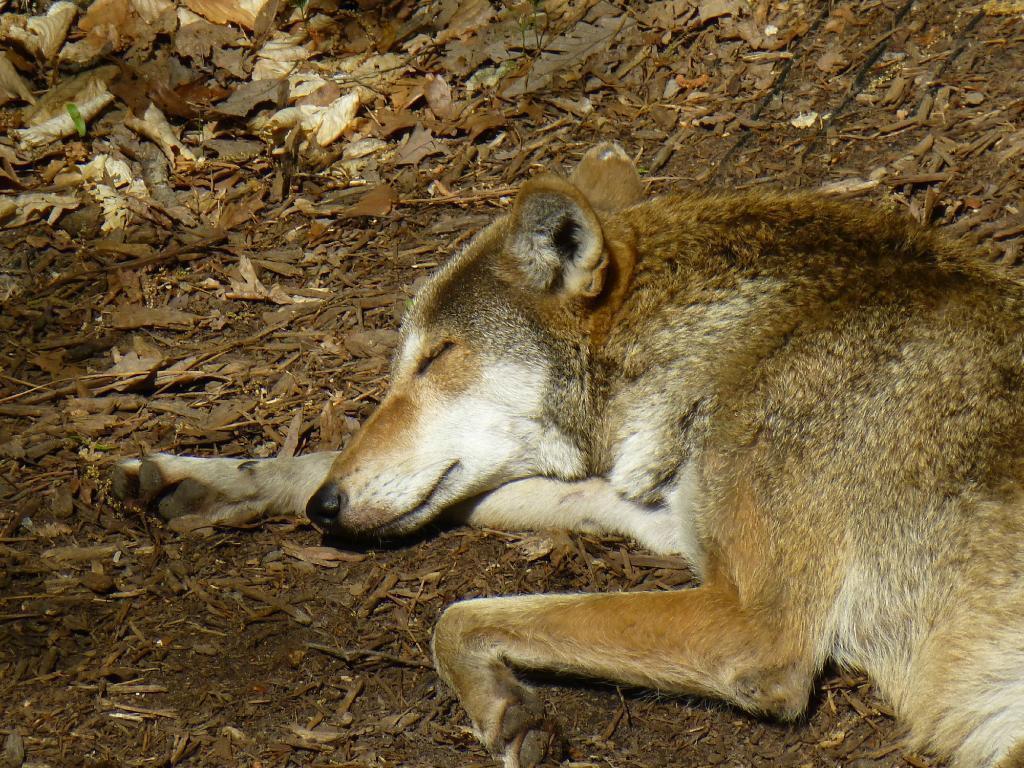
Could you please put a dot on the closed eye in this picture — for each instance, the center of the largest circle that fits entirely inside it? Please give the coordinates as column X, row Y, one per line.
column 432, row 356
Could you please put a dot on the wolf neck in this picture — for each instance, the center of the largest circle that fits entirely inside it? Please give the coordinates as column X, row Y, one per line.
column 677, row 345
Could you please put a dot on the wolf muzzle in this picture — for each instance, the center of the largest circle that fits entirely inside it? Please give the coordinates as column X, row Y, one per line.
column 325, row 507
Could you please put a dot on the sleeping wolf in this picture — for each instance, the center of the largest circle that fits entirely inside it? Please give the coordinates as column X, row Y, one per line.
column 818, row 405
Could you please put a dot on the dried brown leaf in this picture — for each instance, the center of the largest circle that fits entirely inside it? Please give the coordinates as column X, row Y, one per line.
column 439, row 97
column 291, row 440
column 248, row 96
column 568, row 50
column 464, row 18
column 377, row 202
column 138, row 316
column 75, row 554
column 325, row 557
column 132, row 369
column 479, row 122
column 713, row 9
column 371, row 343
column 418, row 145
column 200, row 38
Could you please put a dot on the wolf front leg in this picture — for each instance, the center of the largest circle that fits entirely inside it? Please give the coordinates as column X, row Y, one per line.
column 588, row 506
column 699, row 641
column 199, row 493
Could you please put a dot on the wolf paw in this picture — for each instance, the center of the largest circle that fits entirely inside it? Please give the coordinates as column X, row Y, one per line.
column 191, row 494
column 524, row 736
column 142, row 480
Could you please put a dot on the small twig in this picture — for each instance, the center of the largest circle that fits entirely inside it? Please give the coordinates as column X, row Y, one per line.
column 489, row 194
column 354, row 655
column 174, row 253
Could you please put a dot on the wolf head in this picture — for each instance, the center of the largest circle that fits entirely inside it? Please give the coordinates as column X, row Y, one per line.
column 490, row 382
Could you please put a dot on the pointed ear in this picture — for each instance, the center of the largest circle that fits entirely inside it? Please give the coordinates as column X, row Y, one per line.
column 608, row 177
column 556, row 239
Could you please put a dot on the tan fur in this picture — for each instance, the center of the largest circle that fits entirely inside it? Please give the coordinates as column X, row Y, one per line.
column 820, row 405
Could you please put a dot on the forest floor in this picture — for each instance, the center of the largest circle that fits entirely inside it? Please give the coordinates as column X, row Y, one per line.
column 210, row 253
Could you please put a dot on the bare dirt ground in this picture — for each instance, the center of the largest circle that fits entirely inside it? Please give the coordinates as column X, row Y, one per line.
column 237, row 292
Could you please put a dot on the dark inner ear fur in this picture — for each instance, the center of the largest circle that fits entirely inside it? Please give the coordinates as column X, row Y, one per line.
column 555, row 240
column 566, row 239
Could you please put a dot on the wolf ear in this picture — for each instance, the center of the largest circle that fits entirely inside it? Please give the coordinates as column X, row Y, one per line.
column 556, row 239
column 608, row 177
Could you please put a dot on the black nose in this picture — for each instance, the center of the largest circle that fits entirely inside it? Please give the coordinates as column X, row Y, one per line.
column 325, row 507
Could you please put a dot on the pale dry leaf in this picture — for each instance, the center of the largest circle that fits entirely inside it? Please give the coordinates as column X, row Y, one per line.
column 248, row 287
column 804, row 120
column 186, row 17
column 319, row 735
column 54, row 102
column 152, row 10
column 535, row 547
column 92, row 100
column 848, row 186
column 326, row 124
column 155, row 127
column 21, row 209
column 40, row 35
column 10, row 286
column 114, row 205
column 11, row 84
column 364, row 147
column 278, row 59
column 130, row 370
column 369, row 74
column 278, row 295
column 303, row 84
column 337, row 117
column 107, row 169
column 82, row 52
column 250, row 280
column 111, row 183
column 241, row 12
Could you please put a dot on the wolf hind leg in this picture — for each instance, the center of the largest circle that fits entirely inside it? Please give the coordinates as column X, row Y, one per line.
column 197, row 494
column 699, row 641
column 965, row 701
